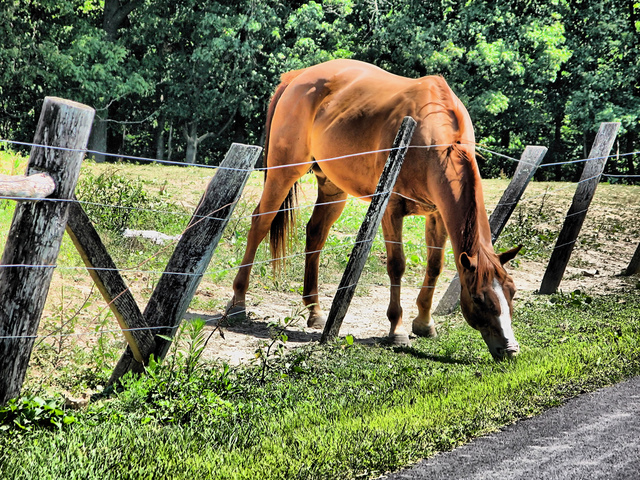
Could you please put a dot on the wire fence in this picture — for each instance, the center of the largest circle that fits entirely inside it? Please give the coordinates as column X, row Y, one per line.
column 210, row 216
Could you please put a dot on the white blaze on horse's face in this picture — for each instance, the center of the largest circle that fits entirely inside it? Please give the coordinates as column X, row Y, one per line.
column 489, row 312
column 485, row 301
column 504, row 329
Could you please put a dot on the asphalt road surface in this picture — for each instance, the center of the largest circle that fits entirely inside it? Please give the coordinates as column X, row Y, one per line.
column 593, row 436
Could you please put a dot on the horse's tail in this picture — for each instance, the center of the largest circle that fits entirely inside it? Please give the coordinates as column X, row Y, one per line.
column 285, row 219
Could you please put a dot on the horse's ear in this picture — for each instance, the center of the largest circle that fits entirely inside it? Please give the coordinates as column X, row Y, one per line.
column 469, row 263
column 509, row 254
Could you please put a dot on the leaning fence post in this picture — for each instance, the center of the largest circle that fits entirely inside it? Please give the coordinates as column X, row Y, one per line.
column 578, row 210
column 35, row 236
column 527, row 166
column 369, row 227
column 110, row 283
column 192, row 254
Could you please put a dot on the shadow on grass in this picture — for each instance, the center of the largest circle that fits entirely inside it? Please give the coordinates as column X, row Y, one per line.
column 261, row 329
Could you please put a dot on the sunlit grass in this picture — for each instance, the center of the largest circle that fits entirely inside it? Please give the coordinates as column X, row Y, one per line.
column 348, row 410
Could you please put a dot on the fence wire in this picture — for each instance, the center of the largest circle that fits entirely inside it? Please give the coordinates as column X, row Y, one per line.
column 262, row 262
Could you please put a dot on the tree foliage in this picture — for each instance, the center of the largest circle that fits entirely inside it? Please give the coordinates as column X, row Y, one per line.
column 182, row 79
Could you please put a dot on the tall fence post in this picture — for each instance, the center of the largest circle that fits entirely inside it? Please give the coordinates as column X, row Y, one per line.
column 578, row 210
column 527, row 166
column 367, row 231
column 35, row 236
column 189, row 261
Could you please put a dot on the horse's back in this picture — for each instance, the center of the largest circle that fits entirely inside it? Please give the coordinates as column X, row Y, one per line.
column 345, row 107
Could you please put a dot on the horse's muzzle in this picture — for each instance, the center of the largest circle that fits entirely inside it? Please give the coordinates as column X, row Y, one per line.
column 509, row 352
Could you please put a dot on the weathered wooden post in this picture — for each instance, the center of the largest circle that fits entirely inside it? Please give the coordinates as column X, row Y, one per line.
column 35, row 236
column 192, row 254
column 110, row 283
column 578, row 211
column 367, row 231
column 527, row 166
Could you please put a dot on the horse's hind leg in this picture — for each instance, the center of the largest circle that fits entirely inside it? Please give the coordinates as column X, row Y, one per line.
column 436, row 237
column 276, row 187
column 396, row 263
column 329, row 206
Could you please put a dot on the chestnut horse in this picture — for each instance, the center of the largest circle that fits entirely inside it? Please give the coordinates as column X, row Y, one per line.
column 346, row 107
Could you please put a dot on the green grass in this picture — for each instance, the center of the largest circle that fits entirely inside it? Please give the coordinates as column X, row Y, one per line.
column 342, row 411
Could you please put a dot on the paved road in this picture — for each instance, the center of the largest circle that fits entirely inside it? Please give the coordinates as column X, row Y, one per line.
column 594, row 436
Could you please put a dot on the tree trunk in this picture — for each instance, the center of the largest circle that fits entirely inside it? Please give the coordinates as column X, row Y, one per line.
column 631, row 170
column 98, row 139
column 170, row 143
column 112, row 20
column 557, row 145
column 158, row 139
column 191, row 136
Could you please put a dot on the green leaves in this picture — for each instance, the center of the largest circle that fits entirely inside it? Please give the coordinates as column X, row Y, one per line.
column 182, row 77
column 30, row 412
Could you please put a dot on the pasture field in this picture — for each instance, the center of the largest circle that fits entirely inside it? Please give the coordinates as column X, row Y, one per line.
column 262, row 399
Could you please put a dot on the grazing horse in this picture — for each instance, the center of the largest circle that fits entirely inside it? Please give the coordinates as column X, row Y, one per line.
column 346, row 107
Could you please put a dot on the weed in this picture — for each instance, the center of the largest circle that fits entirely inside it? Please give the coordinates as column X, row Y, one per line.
column 269, row 354
column 30, row 412
column 114, row 202
column 527, row 229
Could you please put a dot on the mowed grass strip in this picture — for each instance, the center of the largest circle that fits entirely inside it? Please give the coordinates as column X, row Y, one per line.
column 351, row 410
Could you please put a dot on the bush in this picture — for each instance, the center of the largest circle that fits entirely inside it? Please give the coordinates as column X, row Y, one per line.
column 114, row 202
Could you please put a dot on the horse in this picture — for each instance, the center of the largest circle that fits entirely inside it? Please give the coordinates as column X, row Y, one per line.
column 342, row 108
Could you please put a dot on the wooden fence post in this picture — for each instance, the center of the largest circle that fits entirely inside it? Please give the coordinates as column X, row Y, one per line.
column 634, row 264
column 176, row 287
column 578, row 211
column 107, row 278
column 35, row 236
column 527, row 166
column 367, row 231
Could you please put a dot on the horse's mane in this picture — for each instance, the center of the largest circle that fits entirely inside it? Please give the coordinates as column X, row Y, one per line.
column 459, row 154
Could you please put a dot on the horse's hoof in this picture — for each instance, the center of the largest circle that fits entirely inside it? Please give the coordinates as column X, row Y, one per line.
column 236, row 313
column 424, row 330
column 316, row 321
column 399, row 339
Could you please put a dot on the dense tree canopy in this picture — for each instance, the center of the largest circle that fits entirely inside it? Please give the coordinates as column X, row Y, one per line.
column 181, row 79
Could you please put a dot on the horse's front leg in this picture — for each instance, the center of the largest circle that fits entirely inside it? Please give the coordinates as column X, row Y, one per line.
column 436, row 237
column 396, row 263
column 330, row 204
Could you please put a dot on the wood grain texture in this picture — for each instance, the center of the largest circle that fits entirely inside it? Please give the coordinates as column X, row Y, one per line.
column 178, row 284
column 579, row 206
column 110, row 283
column 36, row 234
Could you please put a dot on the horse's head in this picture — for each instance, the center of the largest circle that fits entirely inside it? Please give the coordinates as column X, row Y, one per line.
column 486, row 300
